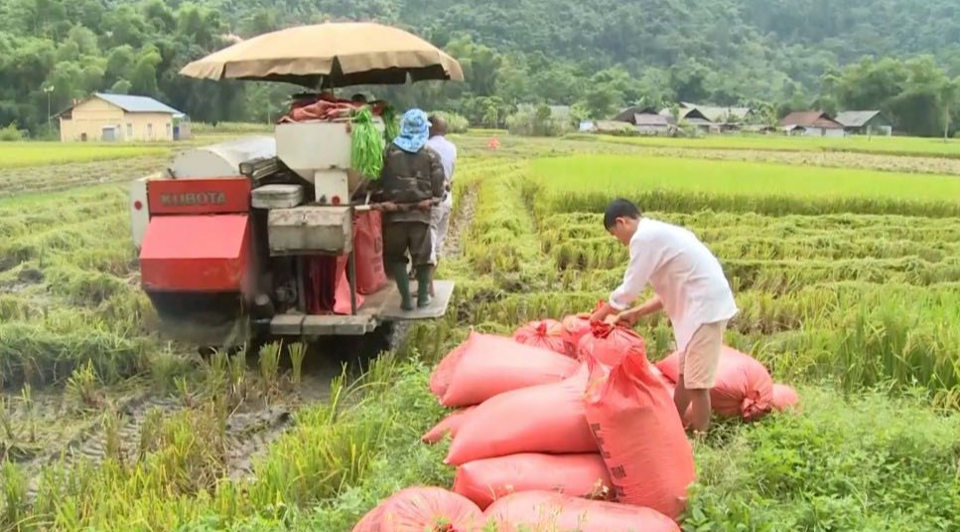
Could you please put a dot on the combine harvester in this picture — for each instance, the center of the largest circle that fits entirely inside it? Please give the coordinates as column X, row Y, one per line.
column 230, row 236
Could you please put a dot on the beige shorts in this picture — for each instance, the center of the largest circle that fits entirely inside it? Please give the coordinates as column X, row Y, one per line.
column 698, row 363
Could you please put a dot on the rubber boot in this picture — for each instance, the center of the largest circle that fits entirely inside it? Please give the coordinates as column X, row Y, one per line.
column 403, row 285
column 424, row 275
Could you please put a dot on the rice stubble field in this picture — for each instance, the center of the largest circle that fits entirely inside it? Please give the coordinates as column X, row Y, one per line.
column 848, row 281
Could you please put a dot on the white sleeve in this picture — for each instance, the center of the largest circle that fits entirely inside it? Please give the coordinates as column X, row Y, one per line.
column 642, row 262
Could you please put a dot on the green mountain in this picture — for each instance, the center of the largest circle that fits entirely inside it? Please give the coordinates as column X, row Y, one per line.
column 601, row 54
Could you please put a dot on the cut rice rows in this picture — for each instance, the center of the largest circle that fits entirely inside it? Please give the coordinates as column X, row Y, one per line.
column 855, row 289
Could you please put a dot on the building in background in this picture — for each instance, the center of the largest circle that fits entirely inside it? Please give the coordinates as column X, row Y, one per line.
column 122, row 118
column 865, row 123
column 811, row 124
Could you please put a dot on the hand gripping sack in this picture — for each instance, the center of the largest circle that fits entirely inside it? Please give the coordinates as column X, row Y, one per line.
column 608, row 344
column 543, row 510
column 423, row 509
column 579, row 475
column 368, row 252
column 549, row 418
column 785, row 398
column 545, row 334
column 640, row 435
column 449, row 425
column 491, row 365
column 743, row 388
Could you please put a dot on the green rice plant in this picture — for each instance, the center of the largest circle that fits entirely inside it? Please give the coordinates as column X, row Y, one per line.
column 187, row 397
column 10, row 432
column 84, row 387
column 238, row 375
column 113, row 445
column 44, row 153
column 298, row 352
column 14, row 486
column 29, row 407
column 150, row 432
column 270, row 366
column 165, row 367
column 216, row 373
column 678, row 185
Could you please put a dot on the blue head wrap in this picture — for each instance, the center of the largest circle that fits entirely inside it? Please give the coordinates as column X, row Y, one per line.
column 414, row 131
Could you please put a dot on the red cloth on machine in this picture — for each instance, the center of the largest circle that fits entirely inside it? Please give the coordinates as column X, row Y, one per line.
column 325, row 109
column 327, row 286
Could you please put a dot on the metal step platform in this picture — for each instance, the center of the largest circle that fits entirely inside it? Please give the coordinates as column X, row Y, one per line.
column 377, row 308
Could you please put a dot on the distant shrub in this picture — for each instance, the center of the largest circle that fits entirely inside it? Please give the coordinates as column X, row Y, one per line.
column 537, row 123
column 11, row 133
column 455, row 123
column 229, row 127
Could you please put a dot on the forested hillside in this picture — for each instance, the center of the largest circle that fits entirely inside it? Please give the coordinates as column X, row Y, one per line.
column 602, row 54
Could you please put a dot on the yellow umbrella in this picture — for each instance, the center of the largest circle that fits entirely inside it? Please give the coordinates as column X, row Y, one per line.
column 334, row 54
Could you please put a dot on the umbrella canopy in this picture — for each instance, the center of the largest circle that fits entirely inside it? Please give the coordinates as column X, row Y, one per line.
column 334, row 55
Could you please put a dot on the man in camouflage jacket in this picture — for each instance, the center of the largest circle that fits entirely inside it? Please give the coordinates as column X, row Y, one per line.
column 411, row 183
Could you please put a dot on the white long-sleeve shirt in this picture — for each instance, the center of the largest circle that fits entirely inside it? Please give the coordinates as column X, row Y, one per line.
column 448, row 159
column 683, row 272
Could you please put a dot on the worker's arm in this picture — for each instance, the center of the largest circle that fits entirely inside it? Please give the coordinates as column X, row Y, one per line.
column 642, row 262
column 631, row 316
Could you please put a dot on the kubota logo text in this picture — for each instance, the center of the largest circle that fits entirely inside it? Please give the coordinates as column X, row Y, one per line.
column 190, row 199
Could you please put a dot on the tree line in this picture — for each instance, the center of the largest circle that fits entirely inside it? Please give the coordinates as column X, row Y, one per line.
column 897, row 56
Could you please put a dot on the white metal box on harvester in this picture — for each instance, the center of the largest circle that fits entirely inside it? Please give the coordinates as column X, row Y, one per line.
column 320, row 153
column 277, row 196
column 308, row 230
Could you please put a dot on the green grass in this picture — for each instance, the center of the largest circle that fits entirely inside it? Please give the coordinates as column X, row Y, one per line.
column 586, row 183
column 20, row 154
column 914, row 146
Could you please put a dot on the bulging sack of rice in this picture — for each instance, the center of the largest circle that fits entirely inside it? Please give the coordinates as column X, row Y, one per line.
column 608, row 344
column 572, row 329
column 443, row 373
column 423, row 509
column 743, row 388
column 490, row 365
column 549, row 418
column 640, row 435
column 544, row 510
column 579, row 475
column 785, row 398
column 448, row 425
column 545, row 334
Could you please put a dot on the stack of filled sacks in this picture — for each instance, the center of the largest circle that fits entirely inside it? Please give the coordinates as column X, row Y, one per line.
column 568, row 420
column 534, row 421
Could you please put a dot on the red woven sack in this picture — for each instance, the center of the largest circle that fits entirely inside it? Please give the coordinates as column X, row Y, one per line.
column 423, row 509
column 368, row 253
column 545, row 334
column 608, row 344
column 743, row 388
column 549, row 418
column 546, row 511
column 785, row 398
column 443, row 373
column 580, row 475
column 640, row 435
column 449, row 425
column 491, row 365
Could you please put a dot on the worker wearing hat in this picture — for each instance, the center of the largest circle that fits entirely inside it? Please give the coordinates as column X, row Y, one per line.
column 411, row 183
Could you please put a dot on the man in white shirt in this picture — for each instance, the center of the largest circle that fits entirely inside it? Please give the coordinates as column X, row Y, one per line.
column 440, row 216
column 689, row 285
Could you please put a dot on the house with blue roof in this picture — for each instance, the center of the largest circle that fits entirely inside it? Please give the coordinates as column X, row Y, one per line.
column 122, row 118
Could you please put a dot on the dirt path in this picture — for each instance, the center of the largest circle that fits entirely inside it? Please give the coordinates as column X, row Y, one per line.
column 461, row 220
